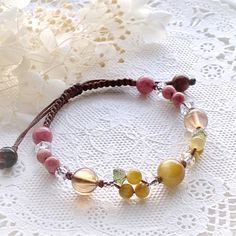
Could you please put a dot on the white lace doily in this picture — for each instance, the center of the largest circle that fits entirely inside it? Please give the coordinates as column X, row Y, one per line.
column 119, row 129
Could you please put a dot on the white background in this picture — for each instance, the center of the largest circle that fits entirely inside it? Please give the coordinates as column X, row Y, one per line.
column 116, row 128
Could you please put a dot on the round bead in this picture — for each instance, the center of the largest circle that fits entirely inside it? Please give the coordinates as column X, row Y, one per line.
column 194, row 119
column 180, row 82
column 126, row 191
column 51, row 164
column 8, row 157
column 145, row 85
column 197, row 143
column 168, row 91
column 178, row 98
column 171, row 172
column 142, row 190
column 134, row 176
column 42, row 134
column 84, row 181
column 43, row 154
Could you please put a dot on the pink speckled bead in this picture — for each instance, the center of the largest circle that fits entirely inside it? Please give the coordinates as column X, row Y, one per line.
column 168, row 91
column 51, row 164
column 178, row 98
column 145, row 85
column 42, row 134
column 43, row 154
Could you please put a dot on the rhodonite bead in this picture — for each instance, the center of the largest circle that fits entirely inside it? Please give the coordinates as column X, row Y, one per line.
column 42, row 134
column 126, row 191
column 145, row 85
column 171, row 172
column 194, row 119
column 43, row 154
column 51, row 164
column 84, row 181
column 178, row 98
column 142, row 190
column 8, row 157
column 168, row 91
column 134, row 176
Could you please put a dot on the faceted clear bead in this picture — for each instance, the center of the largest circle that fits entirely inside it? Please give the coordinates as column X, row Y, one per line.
column 61, row 172
column 188, row 158
column 160, row 86
column 185, row 107
column 43, row 145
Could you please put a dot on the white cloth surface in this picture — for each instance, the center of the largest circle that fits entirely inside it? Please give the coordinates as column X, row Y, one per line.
column 117, row 128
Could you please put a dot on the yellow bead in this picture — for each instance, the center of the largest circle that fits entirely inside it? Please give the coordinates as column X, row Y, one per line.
column 142, row 190
column 134, row 176
column 84, row 181
column 171, row 172
column 197, row 143
column 126, row 191
column 198, row 140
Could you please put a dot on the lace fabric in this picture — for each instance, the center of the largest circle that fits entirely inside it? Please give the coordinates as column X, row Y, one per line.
column 116, row 128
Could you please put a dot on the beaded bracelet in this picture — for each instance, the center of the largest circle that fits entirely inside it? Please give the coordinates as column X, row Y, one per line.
column 170, row 172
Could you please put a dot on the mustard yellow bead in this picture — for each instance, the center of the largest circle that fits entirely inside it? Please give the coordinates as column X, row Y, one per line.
column 134, row 176
column 126, row 191
column 142, row 190
column 171, row 172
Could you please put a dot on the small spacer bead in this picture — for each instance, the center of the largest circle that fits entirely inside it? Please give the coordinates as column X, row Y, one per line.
column 145, row 85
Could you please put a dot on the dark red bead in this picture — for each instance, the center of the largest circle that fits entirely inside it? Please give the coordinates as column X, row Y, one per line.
column 180, row 82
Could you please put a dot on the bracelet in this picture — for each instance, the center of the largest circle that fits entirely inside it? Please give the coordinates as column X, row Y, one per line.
column 170, row 172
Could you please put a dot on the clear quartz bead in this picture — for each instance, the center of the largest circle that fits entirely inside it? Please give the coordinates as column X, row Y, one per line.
column 186, row 107
column 43, row 145
column 160, row 86
column 188, row 158
column 61, row 172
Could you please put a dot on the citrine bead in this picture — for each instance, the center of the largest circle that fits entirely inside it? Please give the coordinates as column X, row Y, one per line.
column 126, row 191
column 134, row 176
column 194, row 119
column 142, row 190
column 198, row 140
column 171, row 172
column 84, row 181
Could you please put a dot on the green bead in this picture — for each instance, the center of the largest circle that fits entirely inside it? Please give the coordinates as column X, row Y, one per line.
column 126, row 191
column 119, row 176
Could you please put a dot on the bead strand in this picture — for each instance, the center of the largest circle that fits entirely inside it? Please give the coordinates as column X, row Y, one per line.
column 170, row 172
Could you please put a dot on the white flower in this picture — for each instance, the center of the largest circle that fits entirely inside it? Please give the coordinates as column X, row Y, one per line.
column 44, row 50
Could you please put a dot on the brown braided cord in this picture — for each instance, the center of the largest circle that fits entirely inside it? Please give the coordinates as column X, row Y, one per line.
column 51, row 110
column 78, row 89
